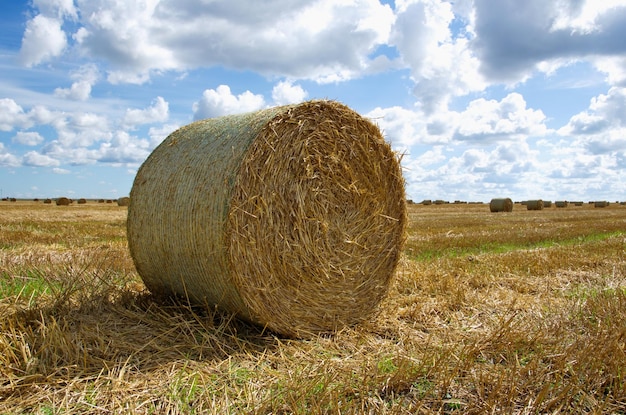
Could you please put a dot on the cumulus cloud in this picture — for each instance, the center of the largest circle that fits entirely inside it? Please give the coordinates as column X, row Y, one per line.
column 513, row 38
column 28, row 138
column 323, row 40
column 605, row 111
column 221, row 101
column 285, row 92
column 489, row 120
column 43, row 39
column 84, row 79
column 123, row 149
column 7, row 159
column 157, row 112
column 11, row 115
column 482, row 122
column 434, row 55
column 35, row 159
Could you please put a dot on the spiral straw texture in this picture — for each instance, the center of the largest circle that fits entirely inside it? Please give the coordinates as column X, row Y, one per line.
column 291, row 217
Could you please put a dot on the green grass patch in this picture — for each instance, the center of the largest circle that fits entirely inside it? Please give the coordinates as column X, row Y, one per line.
column 504, row 247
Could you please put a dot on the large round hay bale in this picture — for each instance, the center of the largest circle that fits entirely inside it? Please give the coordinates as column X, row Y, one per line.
column 561, row 203
column 600, row 203
column 501, row 205
column 534, row 204
column 63, row 201
column 291, row 217
column 48, row 201
column 82, row 201
column 123, row 201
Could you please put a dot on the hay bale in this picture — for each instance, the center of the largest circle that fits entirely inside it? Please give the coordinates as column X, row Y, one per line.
column 291, row 217
column 123, row 201
column 501, row 205
column 427, row 202
column 600, row 203
column 561, row 203
column 534, row 204
column 47, row 201
column 81, row 201
column 547, row 203
column 63, row 201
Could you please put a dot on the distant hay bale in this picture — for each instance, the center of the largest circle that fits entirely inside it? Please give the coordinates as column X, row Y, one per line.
column 63, row 201
column 440, row 202
column 13, row 199
column 47, row 201
column 81, row 201
column 547, row 203
column 501, row 205
column 534, row 204
column 600, row 203
column 100, row 200
column 123, row 201
column 561, row 203
column 427, row 202
column 109, row 201
column 291, row 217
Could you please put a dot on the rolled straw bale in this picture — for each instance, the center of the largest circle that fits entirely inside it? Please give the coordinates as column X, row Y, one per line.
column 123, row 201
column 600, row 203
column 63, row 201
column 427, row 202
column 81, row 201
column 48, row 201
column 561, row 203
column 291, row 217
column 501, row 205
column 534, row 204
column 547, row 203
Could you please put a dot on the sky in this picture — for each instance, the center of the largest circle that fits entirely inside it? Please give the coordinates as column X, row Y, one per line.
column 483, row 98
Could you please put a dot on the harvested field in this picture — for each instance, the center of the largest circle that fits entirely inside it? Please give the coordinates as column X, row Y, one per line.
column 518, row 313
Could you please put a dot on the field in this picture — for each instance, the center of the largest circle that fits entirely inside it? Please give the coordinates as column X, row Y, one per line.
column 516, row 313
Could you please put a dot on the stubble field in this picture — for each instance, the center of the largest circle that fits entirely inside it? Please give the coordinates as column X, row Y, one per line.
column 521, row 312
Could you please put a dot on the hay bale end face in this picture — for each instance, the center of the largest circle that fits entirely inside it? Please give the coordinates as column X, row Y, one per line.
column 501, row 205
column 291, row 217
column 123, row 201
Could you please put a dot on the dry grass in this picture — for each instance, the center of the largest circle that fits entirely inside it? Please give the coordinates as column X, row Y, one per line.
column 518, row 313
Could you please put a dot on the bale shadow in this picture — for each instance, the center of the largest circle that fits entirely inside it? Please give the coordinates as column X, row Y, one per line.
column 59, row 344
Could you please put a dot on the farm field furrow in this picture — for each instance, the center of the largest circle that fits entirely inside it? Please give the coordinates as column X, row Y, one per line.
column 517, row 313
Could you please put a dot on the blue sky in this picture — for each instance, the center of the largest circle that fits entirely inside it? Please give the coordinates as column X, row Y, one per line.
column 485, row 98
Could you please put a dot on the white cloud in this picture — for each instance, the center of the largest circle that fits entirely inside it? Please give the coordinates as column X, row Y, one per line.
column 434, row 55
column 84, row 79
column 28, row 138
column 35, row 159
column 325, row 40
column 286, row 92
column 220, row 101
column 485, row 121
column 158, row 134
column 514, row 39
column 58, row 170
column 43, row 39
column 7, row 159
column 57, row 8
column 157, row 112
column 123, row 149
column 605, row 112
column 11, row 115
